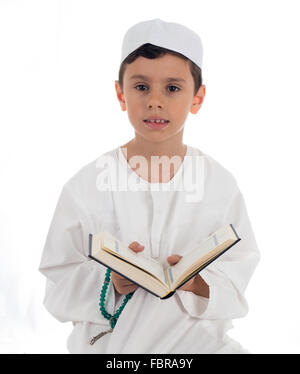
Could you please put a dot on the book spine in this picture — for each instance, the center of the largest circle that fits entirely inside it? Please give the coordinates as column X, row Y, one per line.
column 167, row 278
column 168, row 295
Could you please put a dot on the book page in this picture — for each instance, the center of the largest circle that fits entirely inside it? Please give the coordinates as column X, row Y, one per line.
column 217, row 238
column 111, row 244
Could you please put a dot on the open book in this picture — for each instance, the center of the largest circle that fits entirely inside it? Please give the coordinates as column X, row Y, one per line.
column 149, row 273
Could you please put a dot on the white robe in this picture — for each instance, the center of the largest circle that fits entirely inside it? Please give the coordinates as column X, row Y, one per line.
column 166, row 222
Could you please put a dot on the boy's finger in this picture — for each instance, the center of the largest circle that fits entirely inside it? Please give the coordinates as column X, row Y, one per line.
column 173, row 259
column 136, row 247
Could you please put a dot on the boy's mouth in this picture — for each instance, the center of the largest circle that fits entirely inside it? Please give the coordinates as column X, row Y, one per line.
column 156, row 123
column 156, row 120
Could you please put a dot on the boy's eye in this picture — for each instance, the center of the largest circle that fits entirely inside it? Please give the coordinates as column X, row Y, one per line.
column 174, row 87
column 142, row 85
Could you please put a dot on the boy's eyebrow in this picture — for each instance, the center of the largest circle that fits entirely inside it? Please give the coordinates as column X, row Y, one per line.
column 171, row 79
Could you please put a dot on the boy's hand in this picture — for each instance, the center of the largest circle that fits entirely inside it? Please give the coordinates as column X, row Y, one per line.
column 197, row 285
column 122, row 285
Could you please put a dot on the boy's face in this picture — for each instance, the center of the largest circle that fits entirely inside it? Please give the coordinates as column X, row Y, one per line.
column 154, row 95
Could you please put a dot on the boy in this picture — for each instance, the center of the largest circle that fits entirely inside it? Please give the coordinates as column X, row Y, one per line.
column 159, row 84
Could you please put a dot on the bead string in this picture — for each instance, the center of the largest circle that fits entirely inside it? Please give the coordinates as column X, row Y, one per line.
column 112, row 318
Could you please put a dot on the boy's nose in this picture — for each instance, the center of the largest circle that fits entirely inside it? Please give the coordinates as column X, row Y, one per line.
column 155, row 100
column 154, row 106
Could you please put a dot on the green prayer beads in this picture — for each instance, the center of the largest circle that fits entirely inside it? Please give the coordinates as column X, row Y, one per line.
column 112, row 318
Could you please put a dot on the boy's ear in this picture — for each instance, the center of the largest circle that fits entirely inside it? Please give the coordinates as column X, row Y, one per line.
column 198, row 100
column 120, row 95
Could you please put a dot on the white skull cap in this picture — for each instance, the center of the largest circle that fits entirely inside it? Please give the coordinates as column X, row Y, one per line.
column 170, row 35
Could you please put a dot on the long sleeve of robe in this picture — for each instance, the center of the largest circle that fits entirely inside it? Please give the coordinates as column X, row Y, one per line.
column 228, row 278
column 165, row 222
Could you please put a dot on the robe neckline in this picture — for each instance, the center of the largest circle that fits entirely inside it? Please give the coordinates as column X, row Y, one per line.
column 122, row 159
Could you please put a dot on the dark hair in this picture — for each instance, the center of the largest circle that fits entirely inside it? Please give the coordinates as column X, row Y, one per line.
column 152, row 51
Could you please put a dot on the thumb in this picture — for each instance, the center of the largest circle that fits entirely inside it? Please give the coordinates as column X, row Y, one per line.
column 136, row 246
column 173, row 259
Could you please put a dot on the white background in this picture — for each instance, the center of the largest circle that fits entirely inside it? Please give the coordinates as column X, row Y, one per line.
column 58, row 112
